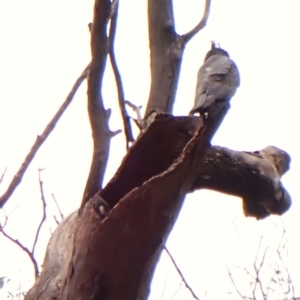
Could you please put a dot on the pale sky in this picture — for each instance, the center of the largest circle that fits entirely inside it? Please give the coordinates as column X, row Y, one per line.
column 45, row 47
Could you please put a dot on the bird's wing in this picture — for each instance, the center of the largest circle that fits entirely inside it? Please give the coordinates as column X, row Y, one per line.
column 218, row 79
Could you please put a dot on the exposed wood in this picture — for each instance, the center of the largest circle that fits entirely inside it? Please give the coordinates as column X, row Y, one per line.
column 134, row 233
column 255, row 177
column 95, row 257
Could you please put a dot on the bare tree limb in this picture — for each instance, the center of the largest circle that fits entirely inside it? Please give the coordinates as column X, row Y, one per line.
column 166, row 51
column 253, row 176
column 288, row 282
column 280, row 279
column 58, row 208
column 41, row 139
column 173, row 297
column 164, row 288
column 2, row 176
column 180, row 274
column 25, row 249
column 121, row 96
column 166, row 54
column 137, row 109
column 189, row 35
column 44, row 213
column 235, row 286
column 258, row 268
column 56, row 221
column 98, row 115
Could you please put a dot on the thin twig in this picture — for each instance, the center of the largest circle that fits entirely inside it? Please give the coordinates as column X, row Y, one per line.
column 41, row 139
column 5, row 220
column 25, row 249
column 235, row 286
column 2, row 176
column 121, row 97
column 55, row 219
column 249, row 274
column 137, row 109
column 180, row 274
column 58, row 208
column 258, row 269
column 186, row 37
column 282, row 245
column 114, row 7
column 44, row 213
column 164, row 289
column 173, row 297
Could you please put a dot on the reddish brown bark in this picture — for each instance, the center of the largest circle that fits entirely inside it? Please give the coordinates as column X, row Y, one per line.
column 252, row 176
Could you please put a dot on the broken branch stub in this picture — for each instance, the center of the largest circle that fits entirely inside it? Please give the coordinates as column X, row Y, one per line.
column 146, row 195
column 253, row 176
column 115, row 257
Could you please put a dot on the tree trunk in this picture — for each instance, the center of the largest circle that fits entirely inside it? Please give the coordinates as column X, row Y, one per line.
column 109, row 255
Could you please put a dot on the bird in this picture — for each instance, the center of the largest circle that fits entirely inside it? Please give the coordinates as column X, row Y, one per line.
column 218, row 80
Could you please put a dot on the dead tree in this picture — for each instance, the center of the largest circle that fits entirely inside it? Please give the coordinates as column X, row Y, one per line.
column 110, row 247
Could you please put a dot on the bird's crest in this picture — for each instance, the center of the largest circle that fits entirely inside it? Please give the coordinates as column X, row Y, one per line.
column 215, row 50
column 215, row 45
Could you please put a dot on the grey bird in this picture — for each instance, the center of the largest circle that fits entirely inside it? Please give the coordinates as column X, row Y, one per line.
column 218, row 79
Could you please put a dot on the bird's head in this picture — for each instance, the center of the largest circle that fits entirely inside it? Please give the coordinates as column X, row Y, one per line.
column 215, row 50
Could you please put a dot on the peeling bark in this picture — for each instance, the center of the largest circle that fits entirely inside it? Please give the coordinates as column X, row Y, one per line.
column 115, row 257
column 95, row 257
column 132, row 237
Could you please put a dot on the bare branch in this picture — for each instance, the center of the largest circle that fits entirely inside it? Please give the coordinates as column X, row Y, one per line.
column 280, row 279
column 186, row 37
column 281, row 246
column 166, row 50
column 114, row 7
column 180, row 274
column 116, row 132
column 137, row 109
column 173, row 297
column 56, row 221
column 98, row 115
column 25, row 249
column 44, row 213
column 257, row 269
column 41, row 139
column 164, row 289
column 248, row 175
column 2, row 176
column 235, row 286
column 121, row 96
column 58, row 208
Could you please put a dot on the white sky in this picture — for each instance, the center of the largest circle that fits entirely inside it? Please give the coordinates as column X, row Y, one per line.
column 44, row 48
